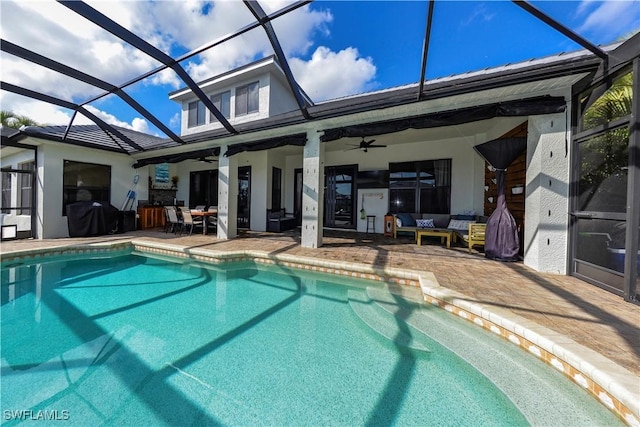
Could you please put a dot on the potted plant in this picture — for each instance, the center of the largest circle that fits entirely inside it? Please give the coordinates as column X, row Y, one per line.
column 174, row 181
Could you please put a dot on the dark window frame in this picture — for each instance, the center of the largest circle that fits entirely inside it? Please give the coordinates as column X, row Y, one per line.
column 222, row 101
column 25, row 190
column 6, row 192
column 70, row 191
column 244, row 99
column 276, row 188
column 196, row 114
column 422, row 178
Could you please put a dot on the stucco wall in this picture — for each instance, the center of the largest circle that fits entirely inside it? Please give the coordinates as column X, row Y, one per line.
column 547, row 194
column 282, row 101
column 51, row 222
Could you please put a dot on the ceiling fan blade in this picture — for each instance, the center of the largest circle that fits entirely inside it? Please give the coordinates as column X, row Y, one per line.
column 205, row 160
column 368, row 143
column 376, row 146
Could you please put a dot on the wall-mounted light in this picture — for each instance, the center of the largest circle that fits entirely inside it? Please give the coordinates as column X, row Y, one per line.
column 517, row 189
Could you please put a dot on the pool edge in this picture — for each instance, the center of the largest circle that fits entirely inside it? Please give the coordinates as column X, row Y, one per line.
column 611, row 386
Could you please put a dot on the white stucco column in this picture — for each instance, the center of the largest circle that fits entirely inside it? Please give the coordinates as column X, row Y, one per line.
column 312, row 191
column 227, row 195
column 547, row 194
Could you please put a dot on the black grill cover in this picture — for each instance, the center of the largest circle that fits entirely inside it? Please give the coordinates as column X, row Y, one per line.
column 91, row 218
column 501, row 239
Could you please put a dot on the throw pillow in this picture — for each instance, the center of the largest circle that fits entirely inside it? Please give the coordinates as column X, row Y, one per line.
column 425, row 223
column 407, row 220
column 457, row 224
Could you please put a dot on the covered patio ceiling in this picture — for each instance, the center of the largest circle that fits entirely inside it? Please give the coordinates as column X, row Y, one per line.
column 257, row 19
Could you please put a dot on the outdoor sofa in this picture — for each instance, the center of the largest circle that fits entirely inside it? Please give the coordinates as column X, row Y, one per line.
column 468, row 228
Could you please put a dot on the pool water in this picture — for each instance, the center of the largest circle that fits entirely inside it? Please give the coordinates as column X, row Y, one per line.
column 137, row 340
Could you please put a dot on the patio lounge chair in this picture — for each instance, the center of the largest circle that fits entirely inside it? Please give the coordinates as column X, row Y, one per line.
column 475, row 236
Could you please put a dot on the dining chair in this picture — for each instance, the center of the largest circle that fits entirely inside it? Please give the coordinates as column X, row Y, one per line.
column 212, row 220
column 189, row 221
column 173, row 223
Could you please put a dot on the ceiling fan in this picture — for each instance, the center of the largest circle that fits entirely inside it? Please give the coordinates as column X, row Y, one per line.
column 205, row 160
column 365, row 145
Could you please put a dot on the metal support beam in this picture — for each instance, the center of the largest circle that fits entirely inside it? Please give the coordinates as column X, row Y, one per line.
column 70, row 105
column 633, row 195
column 36, row 58
column 425, row 48
column 264, row 20
column 122, row 33
column 561, row 28
column 209, row 45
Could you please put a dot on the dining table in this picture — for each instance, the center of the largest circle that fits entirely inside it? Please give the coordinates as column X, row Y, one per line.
column 205, row 217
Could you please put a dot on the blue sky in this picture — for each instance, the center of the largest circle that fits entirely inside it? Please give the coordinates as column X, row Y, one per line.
column 335, row 48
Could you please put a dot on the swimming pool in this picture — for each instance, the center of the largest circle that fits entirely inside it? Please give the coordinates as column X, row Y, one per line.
column 144, row 340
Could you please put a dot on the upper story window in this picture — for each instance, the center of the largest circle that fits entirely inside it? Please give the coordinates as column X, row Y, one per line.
column 196, row 114
column 222, row 101
column 247, row 99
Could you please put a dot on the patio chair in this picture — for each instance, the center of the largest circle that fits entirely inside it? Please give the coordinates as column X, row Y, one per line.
column 172, row 222
column 189, row 221
column 212, row 221
column 475, row 236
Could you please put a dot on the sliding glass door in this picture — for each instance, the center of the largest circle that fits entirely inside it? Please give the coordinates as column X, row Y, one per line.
column 339, row 196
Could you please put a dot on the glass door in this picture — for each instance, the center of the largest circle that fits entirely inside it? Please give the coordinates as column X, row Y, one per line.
column 203, row 188
column 244, row 197
column 340, row 196
column 599, row 214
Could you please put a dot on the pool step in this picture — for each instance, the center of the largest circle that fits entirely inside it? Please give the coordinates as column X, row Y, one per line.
column 500, row 363
column 384, row 323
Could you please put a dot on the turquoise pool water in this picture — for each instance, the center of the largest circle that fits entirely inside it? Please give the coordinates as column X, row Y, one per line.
column 136, row 340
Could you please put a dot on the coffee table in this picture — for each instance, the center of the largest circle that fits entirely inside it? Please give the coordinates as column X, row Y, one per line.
column 444, row 234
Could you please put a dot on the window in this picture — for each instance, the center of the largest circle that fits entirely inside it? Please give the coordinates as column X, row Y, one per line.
column 6, row 192
column 423, row 186
column 85, row 182
column 276, row 188
column 247, row 99
column 203, row 188
column 196, row 114
column 222, row 101
column 26, row 187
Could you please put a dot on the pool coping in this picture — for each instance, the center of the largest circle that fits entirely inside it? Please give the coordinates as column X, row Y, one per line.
column 609, row 383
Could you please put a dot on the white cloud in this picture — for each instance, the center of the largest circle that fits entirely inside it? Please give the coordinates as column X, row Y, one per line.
column 480, row 13
column 51, row 115
column 136, row 124
column 174, row 27
column 174, row 122
column 624, row 16
column 333, row 74
column 41, row 112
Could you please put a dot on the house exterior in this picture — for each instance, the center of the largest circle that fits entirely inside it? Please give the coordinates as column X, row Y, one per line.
column 315, row 161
